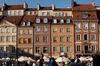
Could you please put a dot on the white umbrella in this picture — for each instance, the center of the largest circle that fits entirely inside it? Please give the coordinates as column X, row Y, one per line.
column 90, row 58
column 7, row 58
column 46, row 59
column 22, row 58
column 62, row 59
column 83, row 59
column 30, row 59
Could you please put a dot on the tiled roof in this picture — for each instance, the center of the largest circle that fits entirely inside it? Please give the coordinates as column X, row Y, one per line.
column 79, row 16
column 14, row 7
column 13, row 19
column 84, row 7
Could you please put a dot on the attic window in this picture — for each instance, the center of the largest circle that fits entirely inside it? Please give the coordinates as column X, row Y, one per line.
column 38, row 20
column 61, row 21
column 54, row 20
column 68, row 20
column 85, row 15
column 28, row 23
column 23, row 23
column 45, row 20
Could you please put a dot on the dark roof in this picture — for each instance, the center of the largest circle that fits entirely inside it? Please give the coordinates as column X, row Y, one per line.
column 63, row 9
column 46, row 8
column 31, row 9
column 14, row 7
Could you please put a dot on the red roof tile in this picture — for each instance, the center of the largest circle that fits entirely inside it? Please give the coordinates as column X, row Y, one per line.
column 46, row 8
column 84, row 7
column 31, row 9
column 63, row 9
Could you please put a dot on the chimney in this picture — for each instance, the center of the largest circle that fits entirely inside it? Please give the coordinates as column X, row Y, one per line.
column 4, row 5
column 38, row 7
column 73, row 3
column 53, row 6
column 25, row 5
column 93, row 4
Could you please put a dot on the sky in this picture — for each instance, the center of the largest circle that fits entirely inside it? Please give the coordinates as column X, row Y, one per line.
column 58, row 3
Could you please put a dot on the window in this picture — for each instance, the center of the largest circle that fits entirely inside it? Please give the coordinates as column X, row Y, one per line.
column 45, row 49
column 1, row 49
column 37, row 49
column 61, row 38
column 21, row 41
column 84, row 15
column 54, row 30
column 29, row 40
column 54, row 20
column 45, row 20
column 85, row 25
column 61, row 21
column 25, row 41
column 8, row 38
column 8, row 30
column 77, row 25
column 61, row 49
column 28, row 23
column 38, row 20
column 92, row 37
column 68, row 49
column 61, row 30
column 2, row 30
column 44, row 13
column 37, row 28
column 13, row 38
column 45, row 38
column 78, row 48
column 68, row 38
column 48, row 13
column 13, row 30
column 30, row 31
column 22, row 23
column 45, row 28
column 93, row 48
column 37, row 39
column 25, row 31
column 85, row 37
column 54, row 39
column 93, row 26
column 54, row 49
column 78, row 37
column 68, row 29
column 20, row 32
column 68, row 20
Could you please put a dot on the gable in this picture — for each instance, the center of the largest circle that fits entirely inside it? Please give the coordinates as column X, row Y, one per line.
column 5, row 23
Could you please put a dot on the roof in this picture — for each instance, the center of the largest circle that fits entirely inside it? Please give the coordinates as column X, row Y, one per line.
column 79, row 16
column 84, row 7
column 63, row 9
column 46, row 8
column 14, row 7
column 31, row 9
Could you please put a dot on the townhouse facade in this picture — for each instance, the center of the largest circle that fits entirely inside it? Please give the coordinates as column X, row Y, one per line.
column 50, row 30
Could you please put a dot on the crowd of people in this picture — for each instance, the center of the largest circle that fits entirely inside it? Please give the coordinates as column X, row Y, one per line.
column 41, row 62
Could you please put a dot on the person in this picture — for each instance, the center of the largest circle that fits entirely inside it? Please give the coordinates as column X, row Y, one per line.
column 72, row 63
column 54, row 63
column 63, row 63
column 41, row 62
column 50, row 62
column 78, row 63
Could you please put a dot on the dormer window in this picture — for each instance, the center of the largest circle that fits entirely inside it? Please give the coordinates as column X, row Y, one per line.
column 23, row 24
column 85, row 15
column 54, row 20
column 68, row 20
column 45, row 20
column 38, row 20
column 61, row 21
column 28, row 23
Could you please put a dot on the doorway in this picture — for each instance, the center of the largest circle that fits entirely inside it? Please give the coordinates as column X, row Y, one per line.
column 86, row 48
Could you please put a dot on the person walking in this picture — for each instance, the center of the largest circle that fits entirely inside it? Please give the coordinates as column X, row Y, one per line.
column 50, row 62
column 41, row 62
column 72, row 63
column 78, row 63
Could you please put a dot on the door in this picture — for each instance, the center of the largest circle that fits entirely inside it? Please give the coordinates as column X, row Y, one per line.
column 86, row 48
